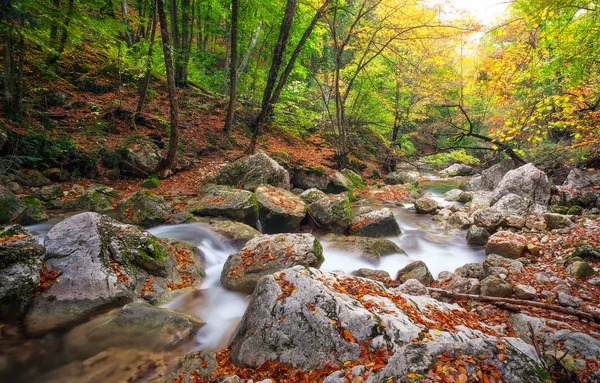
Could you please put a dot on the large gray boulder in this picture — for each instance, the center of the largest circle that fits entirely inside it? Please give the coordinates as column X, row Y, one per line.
column 489, row 178
column 253, row 171
column 49, row 193
column 526, row 181
column 457, row 170
column 494, row 286
column 415, row 270
column 10, row 205
column 235, row 233
column 375, row 224
column 319, row 178
column 488, row 218
column 34, row 178
column 557, row 221
column 106, row 264
column 477, row 236
column 140, row 159
column 506, row 244
column 332, row 213
column 268, row 254
column 496, row 265
column 279, row 210
column 98, row 198
column 138, row 324
column 516, row 205
column 582, row 178
column 400, row 178
column 144, row 208
column 226, row 202
column 21, row 258
column 312, row 195
column 370, row 249
column 426, row 205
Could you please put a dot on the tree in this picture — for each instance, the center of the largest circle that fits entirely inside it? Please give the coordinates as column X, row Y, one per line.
column 14, row 56
column 145, row 83
column 169, row 162
column 233, row 67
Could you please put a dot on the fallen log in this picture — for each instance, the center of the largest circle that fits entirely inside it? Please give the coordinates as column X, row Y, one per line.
column 520, row 302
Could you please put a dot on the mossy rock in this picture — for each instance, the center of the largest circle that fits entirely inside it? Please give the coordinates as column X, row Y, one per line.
column 279, row 210
column 33, row 213
column 226, row 202
column 370, row 249
column 355, row 181
column 332, row 213
column 151, row 182
column 10, row 205
column 235, row 233
column 574, row 210
column 97, row 198
column 144, row 208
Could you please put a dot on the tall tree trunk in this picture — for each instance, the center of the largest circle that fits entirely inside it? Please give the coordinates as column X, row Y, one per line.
column 232, row 68
column 128, row 34
column 13, row 74
column 64, row 34
column 284, row 33
column 148, row 75
column 182, row 59
column 169, row 162
column 244, row 63
column 55, row 14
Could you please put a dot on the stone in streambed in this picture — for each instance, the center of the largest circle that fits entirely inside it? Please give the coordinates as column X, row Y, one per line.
column 97, row 198
column 144, row 208
column 279, row 210
column 235, row 233
column 253, row 171
column 426, row 206
column 415, row 270
column 332, row 213
column 377, row 223
column 506, row 244
column 226, row 202
column 367, row 248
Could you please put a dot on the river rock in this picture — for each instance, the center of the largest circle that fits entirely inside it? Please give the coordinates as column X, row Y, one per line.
column 268, row 254
column 136, row 324
column 525, row 291
column 279, row 210
column 196, row 363
column 415, row 270
column 462, row 285
column 377, row 223
column 582, row 178
column 412, row 287
column 312, row 195
column 319, row 178
column 33, row 178
column 235, row 233
column 392, row 194
column 557, row 221
column 33, row 213
column 426, row 205
column 57, row 174
column 144, row 208
column 567, row 300
column 226, row 202
column 49, row 193
column 488, row 218
column 305, row 318
column 378, row 275
column 370, row 249
column 21, row 258
column 506, row 244
column 580, row 269
column 399, row 178
column 457, row 170
column 496, row 265
column 526, row 181
column 517, row 205
column 453, row 195
column 489, row 178
column 477, row 236
column 10, row 205
column 332, row 213
column 459, row 220
column 98, row 198
column 253, row 171
column 140, row 159
column 106, row 264
column 471, row 270
column 352, row 180
column 494, row 286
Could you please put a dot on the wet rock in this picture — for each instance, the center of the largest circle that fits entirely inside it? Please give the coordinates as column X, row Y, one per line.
column 56, row 174
column 21, row 258
column 582, row 178
column 367, row 248
column 253, row 171
column 489, row 178
column 426, row 205
column 488, row 218
column 453, row 195
column 465, row 197
column 494, row 286
column 569, row 300
column 412, row 287
column 399, row 178
column 279, row 210
column 140, row 159
column 459, row 220
column 106, row 264
column 320, row 179
column 136, row 324
column 144, row 208
column 33, row 213
column 202, row 363
column 10, row 205
column 235, row 233
column 332, row 213
column 372, row 274
column 580, row 269
column 457, row 170
column 517, row 205
column 312, row 195
column 477, row 236
column 226, row 202
column 377, row 223
column 268, row 254
column 506, row 244
column 352, row 180
column 471, row 270
column 495, row 265
column 557, row 221
column 526, row 181
column 525, row 291
column 34, row 178
column 415, row 270
column 98, row 198
column 49, row 193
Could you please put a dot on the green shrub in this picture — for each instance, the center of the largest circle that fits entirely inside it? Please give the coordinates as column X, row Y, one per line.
column 151, row 182
column 454, row 156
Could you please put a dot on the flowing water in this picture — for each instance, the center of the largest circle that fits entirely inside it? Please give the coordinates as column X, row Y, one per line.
column 222, row 309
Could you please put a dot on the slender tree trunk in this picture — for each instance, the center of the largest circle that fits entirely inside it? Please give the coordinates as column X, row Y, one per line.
column 232, row 68
column 169, row 162
column 128, row 33
column 244, row 63
column 181, row 63
column 284, row 33
column 227, row 57
column 13, row 74
column 64, row 34
column 148, row 75
column 55, row 14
